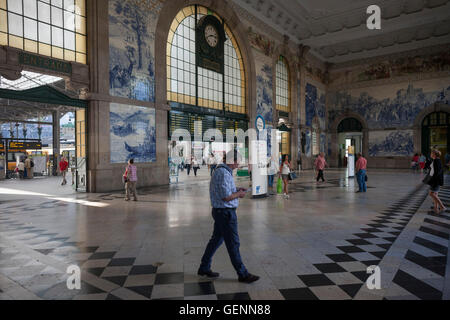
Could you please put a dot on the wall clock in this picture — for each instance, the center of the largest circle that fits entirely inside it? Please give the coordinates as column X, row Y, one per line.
column 210, row 40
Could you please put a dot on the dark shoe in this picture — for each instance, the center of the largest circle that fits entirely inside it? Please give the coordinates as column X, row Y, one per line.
column 358, row 191
column 208, row 274
column 135, row 199
column 249, row 278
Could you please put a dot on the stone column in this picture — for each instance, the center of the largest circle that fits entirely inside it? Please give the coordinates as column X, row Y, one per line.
column 56, row 116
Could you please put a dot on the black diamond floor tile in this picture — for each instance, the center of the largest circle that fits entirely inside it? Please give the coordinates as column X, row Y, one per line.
column 361, row 275
column 119, row 280
column 96, row 271
column 199, row 289
column 298, row 294
column 145, row 291
column 351, row 289
column 417, row 287
column 350, row 249
column 365, row 235
column 169, row 278
column 121, row 262
column 329, row 267
column 316, row 280
column 431, row 245
column 102, row 255
column 234, row 296
column 359, row 242
column 342, row 257
column 145, row 269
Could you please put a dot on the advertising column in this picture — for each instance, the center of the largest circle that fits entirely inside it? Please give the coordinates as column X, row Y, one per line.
column 258, row 161
column 351, row 161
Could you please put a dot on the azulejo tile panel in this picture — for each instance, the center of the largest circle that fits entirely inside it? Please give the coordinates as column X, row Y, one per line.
column 132, row 28
column 314, row 105
column 264, row 92
column 391, row 143
column 391, row 105
column 132, row 133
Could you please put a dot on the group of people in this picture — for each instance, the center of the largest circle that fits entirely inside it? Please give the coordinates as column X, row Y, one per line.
column 192, row 164
column 319, row 165
column 25, row 168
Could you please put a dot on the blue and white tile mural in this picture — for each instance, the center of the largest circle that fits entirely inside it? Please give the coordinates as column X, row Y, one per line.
column 397, row 106
column 391, row 143
column 264, row 93
column 131, row 50
column 308, row 143
column 132, row 133
column 314, row 105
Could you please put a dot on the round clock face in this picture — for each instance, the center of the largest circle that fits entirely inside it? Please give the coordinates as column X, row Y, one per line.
column 211, row 35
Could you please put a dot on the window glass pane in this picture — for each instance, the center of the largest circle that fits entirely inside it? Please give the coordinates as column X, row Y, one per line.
column 44, row 33
column 15, row 6
column 15, row 25
column 57, row 17
column 44, row 12
column 30, row 29
column 57, row 3
column 30, row 8
column 57, row 37
column 69, row 21
column 69, row 5
column 69, row 40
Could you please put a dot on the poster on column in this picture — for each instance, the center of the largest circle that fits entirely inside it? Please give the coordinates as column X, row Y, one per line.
column 258, row 162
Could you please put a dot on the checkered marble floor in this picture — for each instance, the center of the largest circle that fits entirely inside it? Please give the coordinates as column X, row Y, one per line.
column 318, row 258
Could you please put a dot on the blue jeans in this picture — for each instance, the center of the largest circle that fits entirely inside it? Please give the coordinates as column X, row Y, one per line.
column 225, row 228
column 271, row 177
column 361, row 176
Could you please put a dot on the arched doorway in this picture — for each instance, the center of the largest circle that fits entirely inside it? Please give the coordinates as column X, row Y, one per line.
column 435, row 132
column 350, row 133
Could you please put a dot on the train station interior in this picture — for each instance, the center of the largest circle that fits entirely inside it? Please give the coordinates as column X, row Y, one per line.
column 164, row 82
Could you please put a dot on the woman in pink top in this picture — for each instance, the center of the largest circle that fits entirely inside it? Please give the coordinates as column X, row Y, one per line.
column 130, row 178
column 361, row 167
column 320, row 164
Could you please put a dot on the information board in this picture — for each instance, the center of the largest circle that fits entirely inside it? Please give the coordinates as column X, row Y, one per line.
column 20, row 145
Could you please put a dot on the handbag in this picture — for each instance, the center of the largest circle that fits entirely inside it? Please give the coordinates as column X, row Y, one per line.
column 365, row 178
column 427, row 179
column 292, row 176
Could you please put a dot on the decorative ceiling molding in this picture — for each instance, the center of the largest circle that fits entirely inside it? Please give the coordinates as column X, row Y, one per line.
column 336, row 31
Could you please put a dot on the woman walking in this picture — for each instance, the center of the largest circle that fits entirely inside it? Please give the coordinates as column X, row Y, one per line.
column 285, row 170
column 436, row 180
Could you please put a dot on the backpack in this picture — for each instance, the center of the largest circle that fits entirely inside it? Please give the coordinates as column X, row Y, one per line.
column 31, row 164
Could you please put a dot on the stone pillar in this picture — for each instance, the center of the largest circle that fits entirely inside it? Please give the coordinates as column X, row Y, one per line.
column 56, row 115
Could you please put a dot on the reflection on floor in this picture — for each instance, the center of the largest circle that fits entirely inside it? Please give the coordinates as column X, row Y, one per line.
column 316, row 245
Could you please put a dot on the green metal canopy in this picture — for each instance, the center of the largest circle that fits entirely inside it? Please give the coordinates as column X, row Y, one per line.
column 43, row 94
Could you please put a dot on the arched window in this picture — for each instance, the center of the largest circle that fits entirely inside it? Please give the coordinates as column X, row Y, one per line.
column 197, row 86
column 56, row 29
column 283, row 85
